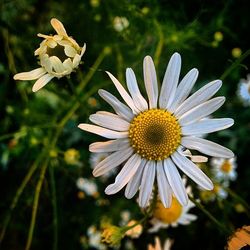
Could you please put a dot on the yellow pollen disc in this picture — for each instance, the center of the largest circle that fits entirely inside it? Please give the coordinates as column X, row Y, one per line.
column 155, row 134
column 168, row 215
column 226, row 167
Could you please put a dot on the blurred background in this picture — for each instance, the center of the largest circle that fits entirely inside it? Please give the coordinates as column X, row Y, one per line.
column 213, row 37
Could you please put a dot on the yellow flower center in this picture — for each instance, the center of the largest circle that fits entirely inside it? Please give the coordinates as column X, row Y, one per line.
column 168, row 215
column 226, row 167
column 155, row 134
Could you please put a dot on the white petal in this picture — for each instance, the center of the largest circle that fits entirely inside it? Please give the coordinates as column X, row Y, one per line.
column 70, row 51
column 57, row 64
column 138, row 99
column 175, row 181
column 200, row 96
column 41, row 82
column 119, row 107
column 206, row 147
column 134, row 184
column 147, row 183
column 192, row 170
column 127, row 172
column 67, row 64
column 109, row 146
column 201, row 110
column 150, row 81
column 165, row 190
column 58, row 26
column 125, row 96
column 51, row 43
column 107, row 133
column 170, row 81
column 184, row 89
column 110, row 122
column 112, row 161
column 31, row 75
column 207, row 126
column 76, row 60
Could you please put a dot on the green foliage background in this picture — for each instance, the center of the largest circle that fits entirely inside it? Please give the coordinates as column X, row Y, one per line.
column 28, row 120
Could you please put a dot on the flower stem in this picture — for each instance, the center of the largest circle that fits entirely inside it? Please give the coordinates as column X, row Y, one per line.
column 35, row 204
column 202, row 208
column 54, row 204
column 91, row 72
column 235, row 64
column 159, row 45
column 17, row 196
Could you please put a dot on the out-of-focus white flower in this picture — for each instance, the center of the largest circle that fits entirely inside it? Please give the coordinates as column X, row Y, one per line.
column 218, row 192
column 167, row 245
column 224, row 169
column 95, row 237
column 125, row 217
column 244, row 90
column 59, row 55
column 174, row 215
column 134, row 232
column 120, row 23
column 87, row 186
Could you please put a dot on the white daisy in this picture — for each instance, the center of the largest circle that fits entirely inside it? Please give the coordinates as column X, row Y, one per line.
column 218, row 192
column 120, row 23
column 59, row 55
column 224, row 169
column 87, row 186
column 244, row 90
column 95, row 237
column 148, row 137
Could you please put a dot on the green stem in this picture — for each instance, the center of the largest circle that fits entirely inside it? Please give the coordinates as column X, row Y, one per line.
column 54, row 204
column 17, row 196
column 210, row 216
column 235, row 64
column 35, row 204
column 159, row 45
column 92, row 70
column 240, row 199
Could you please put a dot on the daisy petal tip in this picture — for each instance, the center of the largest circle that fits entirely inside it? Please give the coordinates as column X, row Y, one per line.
column 109, row 190
column 81, row 126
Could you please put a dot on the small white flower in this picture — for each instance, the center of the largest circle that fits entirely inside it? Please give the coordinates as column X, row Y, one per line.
column 167, row 245
column 95, row 238
column 224, row 169
column 125, row 217
column 59, row 55
column 218, row 192
column 244, row 90
column 87, row 186
column 148, row 137
column 120, row 23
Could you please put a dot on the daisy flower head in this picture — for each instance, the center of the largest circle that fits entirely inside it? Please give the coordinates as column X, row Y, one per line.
column 244, row 90
column 58, row 56
column 224, row 169
column 148, row 136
